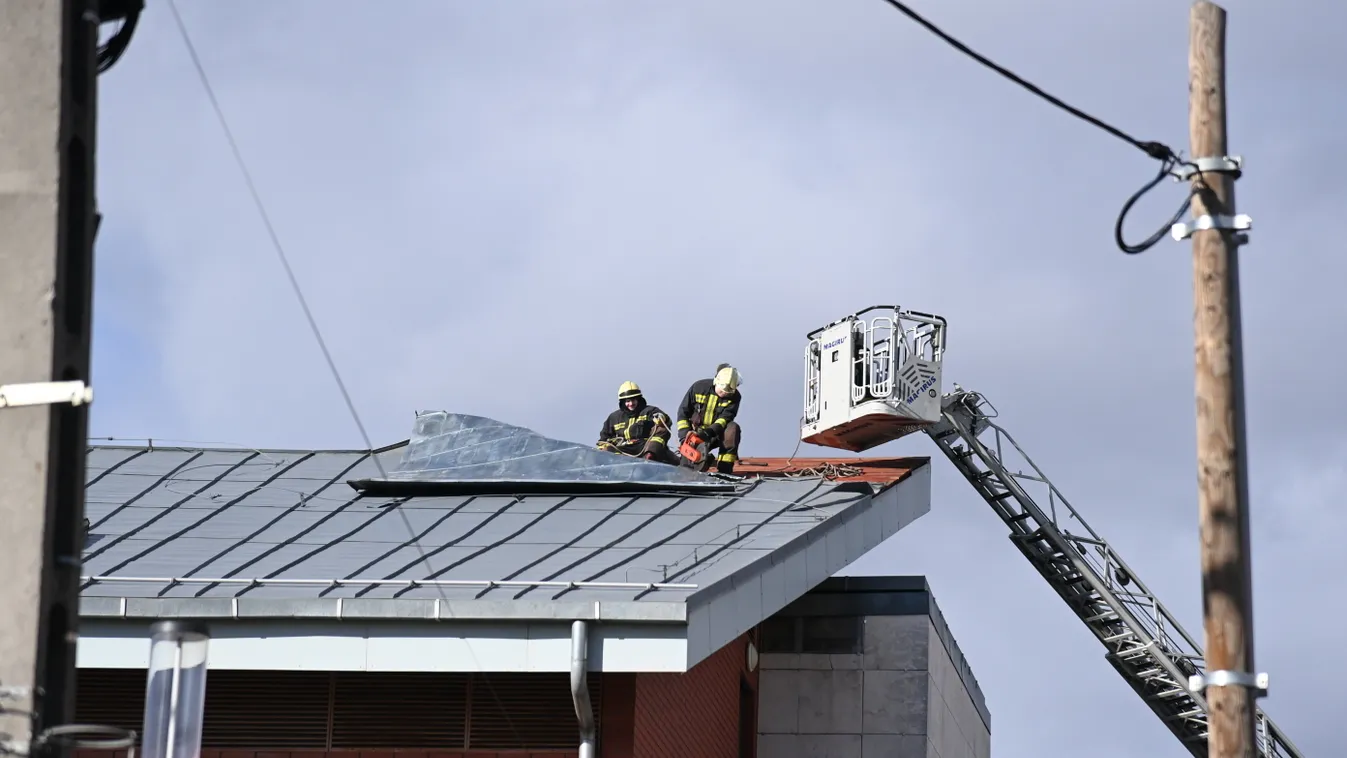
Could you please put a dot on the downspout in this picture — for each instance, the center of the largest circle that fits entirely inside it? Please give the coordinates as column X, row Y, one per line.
column 584, row 709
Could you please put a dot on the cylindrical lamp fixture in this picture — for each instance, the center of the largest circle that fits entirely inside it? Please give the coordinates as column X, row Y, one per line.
column 175, row 693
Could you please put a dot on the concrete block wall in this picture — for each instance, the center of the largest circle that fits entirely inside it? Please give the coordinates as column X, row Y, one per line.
column 902, row 690
column 958, row 724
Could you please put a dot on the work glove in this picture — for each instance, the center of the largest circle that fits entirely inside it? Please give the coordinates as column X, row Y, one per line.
column 707, row 433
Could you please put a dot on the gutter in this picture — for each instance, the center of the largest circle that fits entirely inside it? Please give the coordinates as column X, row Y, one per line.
column 584, row 709
column 649, row 610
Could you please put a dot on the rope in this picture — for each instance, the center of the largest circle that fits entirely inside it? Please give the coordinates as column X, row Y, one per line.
column 826, row 470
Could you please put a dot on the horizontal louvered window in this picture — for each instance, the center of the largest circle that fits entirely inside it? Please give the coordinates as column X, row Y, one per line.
column 271, row 708
column 357, row 710
column 519, row 711
column 111, row 697
column 396, row 710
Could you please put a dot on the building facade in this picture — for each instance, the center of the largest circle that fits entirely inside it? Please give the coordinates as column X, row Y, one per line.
column 859, row 667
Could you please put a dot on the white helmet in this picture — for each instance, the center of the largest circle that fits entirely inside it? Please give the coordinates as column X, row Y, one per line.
column 727, row 378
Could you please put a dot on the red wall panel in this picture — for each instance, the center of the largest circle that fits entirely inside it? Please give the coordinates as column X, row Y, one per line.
column 691, row 714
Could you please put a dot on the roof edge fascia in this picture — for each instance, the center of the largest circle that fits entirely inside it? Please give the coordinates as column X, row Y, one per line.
column 376, row 609
column 925, row 466
column 864, row 502
column 699, row 604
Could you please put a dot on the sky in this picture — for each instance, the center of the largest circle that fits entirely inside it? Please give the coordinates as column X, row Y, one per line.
column 508, row 209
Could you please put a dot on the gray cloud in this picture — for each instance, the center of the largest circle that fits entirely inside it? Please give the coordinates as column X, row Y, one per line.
column 508, row 209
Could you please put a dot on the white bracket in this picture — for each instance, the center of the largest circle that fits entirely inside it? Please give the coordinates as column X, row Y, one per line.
column 1232, row 165
column 45, row 393
column 1240, row 224
column 1225, row 164
column 1257, row 683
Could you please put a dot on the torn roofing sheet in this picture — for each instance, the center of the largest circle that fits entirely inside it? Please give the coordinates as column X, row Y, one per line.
column 455, row 452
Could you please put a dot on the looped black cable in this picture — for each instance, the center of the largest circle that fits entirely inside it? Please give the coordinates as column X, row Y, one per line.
column 1165, row 169
column 1157, row 150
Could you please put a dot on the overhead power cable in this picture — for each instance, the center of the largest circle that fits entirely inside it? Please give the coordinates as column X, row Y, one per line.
column 313, row 322
column 271, row 231
column 1157, row 150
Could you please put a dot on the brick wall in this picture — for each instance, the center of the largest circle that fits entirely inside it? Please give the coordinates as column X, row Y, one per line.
column 691, row 714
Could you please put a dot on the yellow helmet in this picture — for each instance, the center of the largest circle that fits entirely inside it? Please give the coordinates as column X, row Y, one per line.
column 727, row 378
column 627, row 391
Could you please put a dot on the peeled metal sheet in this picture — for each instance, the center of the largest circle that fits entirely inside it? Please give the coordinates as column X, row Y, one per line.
column 464, row 450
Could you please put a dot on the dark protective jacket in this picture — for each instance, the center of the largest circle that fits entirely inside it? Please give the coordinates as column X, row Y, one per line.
column 701, row 407
column 624, row 427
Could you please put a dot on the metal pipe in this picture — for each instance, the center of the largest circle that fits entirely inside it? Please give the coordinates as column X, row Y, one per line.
column 175, row 692
column 584, row 709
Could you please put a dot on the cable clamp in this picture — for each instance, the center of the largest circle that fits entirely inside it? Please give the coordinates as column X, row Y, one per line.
column 45, row 393
column 1224, row 164
column 1256, row 682
column 1240, row 223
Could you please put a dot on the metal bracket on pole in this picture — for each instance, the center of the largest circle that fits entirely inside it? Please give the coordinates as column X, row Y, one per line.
column 1239, row 223
column 1256, row 682
column 1233, row 165
column 45, row 393
column 1221, row 164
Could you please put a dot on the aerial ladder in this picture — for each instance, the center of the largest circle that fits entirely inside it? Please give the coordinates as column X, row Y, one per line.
column 871, row 379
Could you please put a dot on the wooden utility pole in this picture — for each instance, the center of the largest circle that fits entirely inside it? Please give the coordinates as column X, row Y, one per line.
column 1223, row 491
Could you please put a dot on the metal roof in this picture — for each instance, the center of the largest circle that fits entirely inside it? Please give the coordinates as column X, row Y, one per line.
column 281, row 533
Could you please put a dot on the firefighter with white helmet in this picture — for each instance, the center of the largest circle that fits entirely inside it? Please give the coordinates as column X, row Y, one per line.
column 637, row 428
column 709, row 409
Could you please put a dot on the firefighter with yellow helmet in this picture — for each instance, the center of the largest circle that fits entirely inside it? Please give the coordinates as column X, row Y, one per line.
column 708, row 409
column 637, row 428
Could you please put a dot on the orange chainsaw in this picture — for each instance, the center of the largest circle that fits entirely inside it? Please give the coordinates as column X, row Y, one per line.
column 693, row 451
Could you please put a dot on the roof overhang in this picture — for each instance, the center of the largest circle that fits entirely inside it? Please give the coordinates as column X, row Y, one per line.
column 398, row 645
column 236, row 609
column 384, row 634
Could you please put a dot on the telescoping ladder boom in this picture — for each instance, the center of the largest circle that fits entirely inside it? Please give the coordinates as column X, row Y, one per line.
column 1145, row 643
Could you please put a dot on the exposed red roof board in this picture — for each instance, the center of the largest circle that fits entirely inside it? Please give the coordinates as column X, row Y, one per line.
column 882, row 471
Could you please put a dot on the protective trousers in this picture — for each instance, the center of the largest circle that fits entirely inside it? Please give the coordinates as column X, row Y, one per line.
column 729, row 448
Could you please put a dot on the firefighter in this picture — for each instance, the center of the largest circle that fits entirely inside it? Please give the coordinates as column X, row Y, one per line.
column 709, row 409
column 636, row 428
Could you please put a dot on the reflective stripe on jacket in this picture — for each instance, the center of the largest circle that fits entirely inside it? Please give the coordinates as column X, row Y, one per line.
column 701, row 406
column 645, row 423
